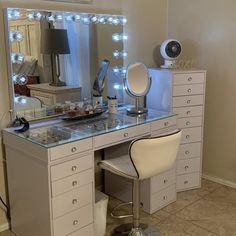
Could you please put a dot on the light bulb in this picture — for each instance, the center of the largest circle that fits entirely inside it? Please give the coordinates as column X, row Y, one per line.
column 22, row 79
column 123, row 20
column 116, row 70
column 55, row 17
column 16, row 36
column 123, row 54
column 14, row 14
column 14, row 78
column 102, row 20
column 116, row 37
column 116, row 86
column 94, row 19
column 86, row 20
column 17, row 58
column 116, row 54
column 115, row 21
column 119, row 37
column 35, row 16
column 124, row 70
column 110, row 20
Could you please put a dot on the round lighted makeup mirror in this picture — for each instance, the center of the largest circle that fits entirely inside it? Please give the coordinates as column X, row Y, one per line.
column 137, row 84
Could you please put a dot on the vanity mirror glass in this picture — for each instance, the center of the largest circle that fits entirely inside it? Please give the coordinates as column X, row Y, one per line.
column 55, row 57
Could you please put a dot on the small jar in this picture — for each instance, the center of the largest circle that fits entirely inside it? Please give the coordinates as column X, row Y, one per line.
column 58, row 108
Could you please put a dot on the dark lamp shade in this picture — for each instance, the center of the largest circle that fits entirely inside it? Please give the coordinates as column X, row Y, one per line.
column 54, row 41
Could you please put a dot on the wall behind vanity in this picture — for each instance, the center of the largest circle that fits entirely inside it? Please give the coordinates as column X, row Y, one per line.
column 207, row 30
column 146, row 29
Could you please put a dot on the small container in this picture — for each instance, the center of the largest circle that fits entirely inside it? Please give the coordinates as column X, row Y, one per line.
column 97, row 100
column 112, row 105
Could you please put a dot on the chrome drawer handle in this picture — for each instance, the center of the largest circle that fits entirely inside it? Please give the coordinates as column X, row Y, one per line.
column 186, row 182
column 188, row 123
column 187, row 136
column 74, row 201
column 75, row 222
column 188, row 112
column 165, row 198
column 74, row 149
column 187, row 152
column 74, row 168
column 186, row 167
column 190, row 79
column 166, row 123
column 74, row 183
column 189, row 90
column 188, row 101
column 126, row 135
column 165, row 181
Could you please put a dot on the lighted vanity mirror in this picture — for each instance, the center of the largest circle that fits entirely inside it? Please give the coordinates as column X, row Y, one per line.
column 137, row 84
column 54, row 58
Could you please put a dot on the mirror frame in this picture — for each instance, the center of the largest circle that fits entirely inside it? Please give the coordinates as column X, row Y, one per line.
column 8, row 48
column 126, row 84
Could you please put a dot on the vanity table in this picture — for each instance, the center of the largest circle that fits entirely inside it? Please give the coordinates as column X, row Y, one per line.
column 50, row 95
column 51, row 170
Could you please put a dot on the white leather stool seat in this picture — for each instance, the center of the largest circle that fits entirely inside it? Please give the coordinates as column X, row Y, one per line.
column 122, row 166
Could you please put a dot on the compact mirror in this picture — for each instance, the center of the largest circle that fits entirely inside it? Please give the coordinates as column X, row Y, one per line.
column 137, row 84
column 61, row 58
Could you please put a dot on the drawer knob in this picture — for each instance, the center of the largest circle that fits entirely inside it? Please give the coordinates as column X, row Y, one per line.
column 186, row 182
column 188, row 112
column 74, row 168
column 74, row 149
column 74, row 201
column 126, row 135
column 188, row 101
column 187, row 136
column 74, row 183
column 75, row 222
column 165, row 198
column 187, row 152
column 188, row 123
column 166, row 123
column 189, row 90
column 190, row 79
column 165, row 181
column 186, row 167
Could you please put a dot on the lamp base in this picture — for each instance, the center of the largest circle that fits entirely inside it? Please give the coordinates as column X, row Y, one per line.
column 58, row 84
column 137, row 110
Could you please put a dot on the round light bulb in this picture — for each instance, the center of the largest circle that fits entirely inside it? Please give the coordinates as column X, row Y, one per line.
column 94, row 19
column 116, row 54
column 123, row 20
column 115, row 21
column 17, row 58
column 14, row 14
column 116, row 37
column 35, row 16
column 116, row 70
column 16, row 36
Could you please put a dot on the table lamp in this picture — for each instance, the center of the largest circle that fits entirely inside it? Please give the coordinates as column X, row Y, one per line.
column 55, row 42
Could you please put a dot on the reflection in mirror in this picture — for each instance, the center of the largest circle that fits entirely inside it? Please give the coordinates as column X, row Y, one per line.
column 55, row 58
column 137, row 84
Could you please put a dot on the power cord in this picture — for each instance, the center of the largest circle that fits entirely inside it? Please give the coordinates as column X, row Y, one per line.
column 7, row 208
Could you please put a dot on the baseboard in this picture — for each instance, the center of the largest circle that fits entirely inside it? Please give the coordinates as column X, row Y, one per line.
column 220, row 181
column 4, row 227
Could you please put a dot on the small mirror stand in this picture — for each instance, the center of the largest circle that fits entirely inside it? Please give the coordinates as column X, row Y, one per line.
column 137, row 85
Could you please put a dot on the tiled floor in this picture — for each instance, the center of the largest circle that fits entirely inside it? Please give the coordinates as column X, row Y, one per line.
column 208, row 211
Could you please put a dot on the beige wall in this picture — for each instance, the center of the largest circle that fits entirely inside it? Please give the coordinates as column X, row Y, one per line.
column 207, row 31
column 146, row 30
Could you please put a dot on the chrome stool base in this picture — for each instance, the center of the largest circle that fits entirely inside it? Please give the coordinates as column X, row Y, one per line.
column 127, row 229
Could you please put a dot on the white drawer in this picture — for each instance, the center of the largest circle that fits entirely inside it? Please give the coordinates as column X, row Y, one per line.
column 191, row 89
column 188, row 166
column 191, row 135
column 189, row 78
column 162, row 181
column 188, row 181
column 71, row 148
column 72, row 182
column 73, row 221
column 162, row 198
column 71, row 167
column 86, row 231
column 163, row 123
column 188, row 111
column 189, row 150
column 121, row 136
column 188, row 101
column 72, row 200
column 189, row 122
